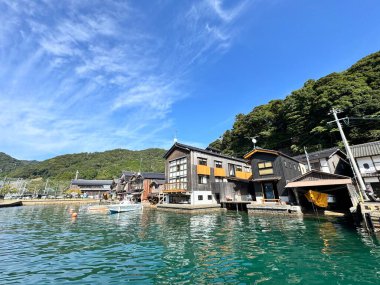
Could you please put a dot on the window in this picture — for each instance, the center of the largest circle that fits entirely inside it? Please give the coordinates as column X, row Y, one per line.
column 231, row 170
column 265, row 168
column 209, row 197
column 200, row 197
column 218, row 164
column 247, row 169
column 239, row 168
column 202, row 161
column 218, row 179
column 285, row 163
column 178, row 173
column 202, row 179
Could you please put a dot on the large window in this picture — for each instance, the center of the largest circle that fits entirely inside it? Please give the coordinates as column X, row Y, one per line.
column 265, row 168
column 178, row 173
column 202, row 161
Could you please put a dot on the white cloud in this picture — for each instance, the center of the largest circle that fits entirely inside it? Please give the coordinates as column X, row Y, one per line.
column 84, row 77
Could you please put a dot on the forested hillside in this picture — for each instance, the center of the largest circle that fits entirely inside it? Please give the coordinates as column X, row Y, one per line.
column 301, row 119
column 8, row 163
column 98, row 165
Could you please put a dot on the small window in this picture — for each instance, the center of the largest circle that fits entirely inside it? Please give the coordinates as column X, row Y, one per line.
column 200, row 197
column 218, row 179
column 239, row 168
column 264, row 164
column 202, row 161
column 247, row 169
column 285, row 163
column 218, row 164
column 202, row 179
column 265, row 168
column 209, row 197
column 366, row 166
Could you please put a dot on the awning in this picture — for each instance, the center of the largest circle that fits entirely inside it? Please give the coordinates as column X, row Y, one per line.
column 273, row 178
column 321, row 182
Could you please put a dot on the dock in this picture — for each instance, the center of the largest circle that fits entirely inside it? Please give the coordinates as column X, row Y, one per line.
column 188, row 208
column 371, row 213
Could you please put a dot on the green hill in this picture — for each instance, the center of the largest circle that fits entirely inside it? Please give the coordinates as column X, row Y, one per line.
column 301, row 119
column 97, row 165
column 8, row 163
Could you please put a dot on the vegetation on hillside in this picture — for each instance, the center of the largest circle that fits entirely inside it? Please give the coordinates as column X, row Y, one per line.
column 98, row 165
column 301, row 119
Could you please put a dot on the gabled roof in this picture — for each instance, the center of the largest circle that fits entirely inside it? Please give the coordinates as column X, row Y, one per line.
column 85, row 182
column 366, row 149
column 325, row 179
column 325, row 174
column 324, row 153
column 191, row 148
column 153, row 175
column 274, row 152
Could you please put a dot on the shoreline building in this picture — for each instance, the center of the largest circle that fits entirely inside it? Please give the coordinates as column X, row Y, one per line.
column 331, row 160
column 93, row 188
column 198, row 176
column 367, row 157
column 271, row 171
column 145, row 185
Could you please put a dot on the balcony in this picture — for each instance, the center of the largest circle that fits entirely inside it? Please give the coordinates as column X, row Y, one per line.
column 203, row 170
column 176, row 187
column 219, row 172
column 243, row 175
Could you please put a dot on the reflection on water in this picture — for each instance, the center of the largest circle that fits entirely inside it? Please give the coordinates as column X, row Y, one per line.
column 44, row 245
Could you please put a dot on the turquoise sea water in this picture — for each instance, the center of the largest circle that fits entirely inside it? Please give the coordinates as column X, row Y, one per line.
column 44, row 245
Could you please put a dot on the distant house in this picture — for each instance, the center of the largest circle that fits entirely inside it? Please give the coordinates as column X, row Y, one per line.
column 331, row 160
column 93, row 188
column 271, row 171
column 367, row 157
column 205, row 176
column 145, row 185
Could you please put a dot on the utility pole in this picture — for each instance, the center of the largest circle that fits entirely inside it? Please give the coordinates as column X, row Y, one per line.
column 307, row 158
column 363, row 195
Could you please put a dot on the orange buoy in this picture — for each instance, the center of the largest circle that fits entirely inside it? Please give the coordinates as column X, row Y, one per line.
column 74, row 215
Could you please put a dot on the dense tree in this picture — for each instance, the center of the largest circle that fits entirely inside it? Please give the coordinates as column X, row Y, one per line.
column 98, row 165
column 302, row 118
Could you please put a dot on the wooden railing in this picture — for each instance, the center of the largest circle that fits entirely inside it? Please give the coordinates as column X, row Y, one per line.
column 175, row 187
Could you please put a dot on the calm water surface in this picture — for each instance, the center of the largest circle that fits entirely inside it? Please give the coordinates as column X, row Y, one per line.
column 43, row 245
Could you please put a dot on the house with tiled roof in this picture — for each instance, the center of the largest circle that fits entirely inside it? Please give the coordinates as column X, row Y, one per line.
column 331, row 160
column 367, row 157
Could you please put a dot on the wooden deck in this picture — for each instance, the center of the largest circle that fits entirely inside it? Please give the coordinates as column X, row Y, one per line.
column 371, row 212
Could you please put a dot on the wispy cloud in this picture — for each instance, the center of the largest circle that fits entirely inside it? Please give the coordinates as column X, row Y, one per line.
column 87, row 76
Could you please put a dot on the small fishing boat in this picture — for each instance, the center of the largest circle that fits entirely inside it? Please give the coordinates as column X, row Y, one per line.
column 127, row 205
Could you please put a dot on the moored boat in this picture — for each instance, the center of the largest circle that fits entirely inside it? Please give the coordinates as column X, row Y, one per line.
column 127, row 205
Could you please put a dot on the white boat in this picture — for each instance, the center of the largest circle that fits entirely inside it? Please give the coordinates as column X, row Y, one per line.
column 126, row 205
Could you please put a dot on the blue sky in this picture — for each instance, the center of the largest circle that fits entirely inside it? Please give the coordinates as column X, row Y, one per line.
column 85, row 76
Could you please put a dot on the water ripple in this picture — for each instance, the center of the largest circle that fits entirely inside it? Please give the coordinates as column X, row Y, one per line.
column 43, row 245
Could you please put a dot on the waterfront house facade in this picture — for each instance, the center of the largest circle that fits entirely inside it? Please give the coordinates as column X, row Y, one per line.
column 204, row 176
column 92, row 188
column 271, row 170
column 331, row 160
column 367, row 157
column 144, row 185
